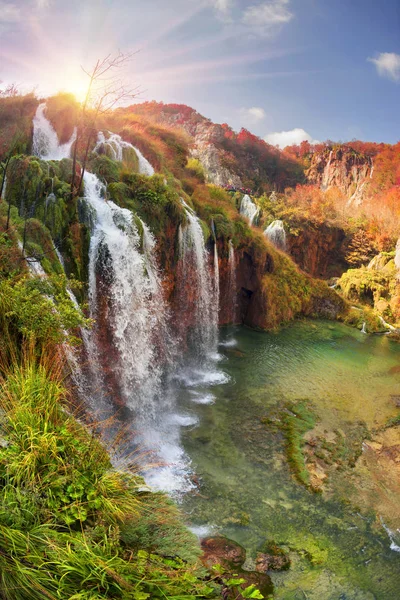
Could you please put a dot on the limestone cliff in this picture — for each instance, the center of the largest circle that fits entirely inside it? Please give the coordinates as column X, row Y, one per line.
column 344, row 168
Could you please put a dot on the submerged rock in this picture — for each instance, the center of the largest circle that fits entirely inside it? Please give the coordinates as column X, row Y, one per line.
column 272, row 558
column 230, row 555
column 222, row 551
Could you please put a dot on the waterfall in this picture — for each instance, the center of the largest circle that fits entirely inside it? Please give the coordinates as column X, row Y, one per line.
column 134, row 313
column 145, row 168
column 392, row 537
column 45, row 140
column 248, row 209
column 116, row 145
column 216, row 283
column 397, row 255
column 325, row 176
column 231, row 300
column 232, row 282
column 3, row 192
column 364, row 328
column 276, row 234
column 387, row 325
column 195, row 281
column 34, row 266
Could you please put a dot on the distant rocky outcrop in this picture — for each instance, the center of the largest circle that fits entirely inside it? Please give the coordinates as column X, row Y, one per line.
column 229, row 158
column 344, row 168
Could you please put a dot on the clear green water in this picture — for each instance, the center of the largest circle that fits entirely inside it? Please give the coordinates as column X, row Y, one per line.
column 247, row 490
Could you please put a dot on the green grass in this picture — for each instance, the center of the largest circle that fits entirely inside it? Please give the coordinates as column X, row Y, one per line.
column 72, row 526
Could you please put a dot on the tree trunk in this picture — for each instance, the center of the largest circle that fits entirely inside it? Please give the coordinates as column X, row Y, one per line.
column 74, row 163
column 85, row 161
column 4, row 177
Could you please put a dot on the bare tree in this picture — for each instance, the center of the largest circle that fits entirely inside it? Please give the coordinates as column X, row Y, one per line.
column 10, row 91
column 105, row 90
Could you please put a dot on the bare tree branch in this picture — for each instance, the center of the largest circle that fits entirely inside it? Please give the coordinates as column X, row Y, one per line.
column 105, row 90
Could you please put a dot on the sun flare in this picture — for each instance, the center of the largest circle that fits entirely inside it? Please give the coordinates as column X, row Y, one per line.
column 75, row 82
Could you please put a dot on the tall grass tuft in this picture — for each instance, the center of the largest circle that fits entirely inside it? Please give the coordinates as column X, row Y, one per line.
column 63, row 507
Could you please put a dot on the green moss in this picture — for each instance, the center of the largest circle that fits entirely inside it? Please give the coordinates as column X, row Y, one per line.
column 365, row 285
column 156, row 203
column 297, row 421
column 105, row 168
column 224, row 228
column 377, row 293
column 206, row 230
column 39, row 245
column 294, row 420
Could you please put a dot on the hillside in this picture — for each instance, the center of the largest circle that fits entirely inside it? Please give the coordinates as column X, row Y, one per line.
column 233, row 159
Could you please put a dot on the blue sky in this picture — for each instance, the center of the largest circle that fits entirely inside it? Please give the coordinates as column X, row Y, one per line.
column 320, row 69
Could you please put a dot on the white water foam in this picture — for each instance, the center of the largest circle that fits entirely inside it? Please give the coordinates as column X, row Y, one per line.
column 276, row 234
column 248, row 209
column 392, row 535
column 117, row 145
column 45, row 140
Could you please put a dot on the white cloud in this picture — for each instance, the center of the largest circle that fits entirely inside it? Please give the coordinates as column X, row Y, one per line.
column 388, row 65
column 253, row 115
column 264, row 17
column 223, row 5
column 9, row 12
column 287, row 138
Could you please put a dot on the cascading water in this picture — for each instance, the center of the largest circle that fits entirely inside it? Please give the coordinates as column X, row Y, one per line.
column 34, row 266
column 276, row 234
column 216, row 284
column 397, row 255
column 45, row 140
column 326, row 174
column 4, row 188
column 394, row 537
column 232, row 281
column 116, row 145
column 248, row 209
column 196, row 280
column 231, row 299
column 135, row 314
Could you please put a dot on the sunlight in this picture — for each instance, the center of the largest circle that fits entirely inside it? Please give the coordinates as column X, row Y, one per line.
column 77, row 84
column 72, row 80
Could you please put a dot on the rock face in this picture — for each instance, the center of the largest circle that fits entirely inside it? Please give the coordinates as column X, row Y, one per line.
column 231, row 556
column 344, row 168
column 205, row 137
column 319, row 251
